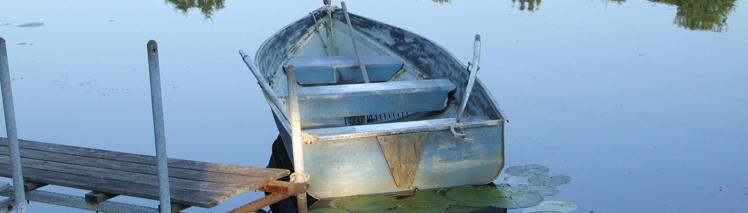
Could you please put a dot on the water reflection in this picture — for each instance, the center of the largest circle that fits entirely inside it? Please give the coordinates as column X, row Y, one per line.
column 530, row 5
column 206, row 7
column 708, row 15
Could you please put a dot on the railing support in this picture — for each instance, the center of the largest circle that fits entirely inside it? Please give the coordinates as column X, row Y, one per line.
column 10, row 128
column 299, row 176
column 158, row 128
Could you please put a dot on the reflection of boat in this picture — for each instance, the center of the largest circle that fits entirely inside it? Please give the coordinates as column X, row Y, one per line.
column 400, row 131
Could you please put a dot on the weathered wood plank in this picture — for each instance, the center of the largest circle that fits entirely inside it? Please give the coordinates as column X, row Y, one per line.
column 149, row 191
column 221, row 188
column 403, row 155
column 95, row 197
column 186, row 174
column 115, row 173
column 31, row 186
column 150, row 160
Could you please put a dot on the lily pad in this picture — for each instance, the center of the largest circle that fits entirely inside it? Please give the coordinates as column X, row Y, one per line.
column 542, row 190
column 552, row 206
column 366, row 203
column 435, row 209
column 514, row 200
column 474, row 196
column 462, row 209
column 328, row 210
column 32, row 24
column 555, row 180
column 426, row 199
column 527, row 170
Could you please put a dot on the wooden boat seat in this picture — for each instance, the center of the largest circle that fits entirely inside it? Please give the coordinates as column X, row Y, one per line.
column 343, row 69
column 332, row 101
column 193, row 183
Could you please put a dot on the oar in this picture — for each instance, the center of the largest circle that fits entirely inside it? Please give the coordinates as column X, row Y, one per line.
column 473, row 68
column 355, row 46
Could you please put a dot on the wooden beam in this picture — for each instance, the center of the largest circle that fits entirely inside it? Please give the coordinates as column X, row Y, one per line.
column 95, row 197
column 175, row 208
column 262, row 202
column 31, row 186
column 279, row 190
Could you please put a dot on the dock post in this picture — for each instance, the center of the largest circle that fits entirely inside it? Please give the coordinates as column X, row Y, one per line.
column 158, row 128
column 299, row 176
column 10, row 128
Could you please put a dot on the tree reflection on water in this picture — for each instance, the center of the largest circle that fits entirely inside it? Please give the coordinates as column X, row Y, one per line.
column 207, row 7
column 530, row 5
column 708, row 15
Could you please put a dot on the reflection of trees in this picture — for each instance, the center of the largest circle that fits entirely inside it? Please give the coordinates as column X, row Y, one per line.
column 441, row 1
column 207, row 7
column 701, row 14
column 708, row 15
column 530, row 5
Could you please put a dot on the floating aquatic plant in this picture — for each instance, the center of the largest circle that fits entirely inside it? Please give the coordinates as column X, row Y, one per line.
column 543, row 190
column 426, row 199
column 434, row 209
column 527, row 170
column 552, row 206
column 328, row 210
column 483, row 196
column 514, row 200
column 366, row 203
column 555, row 180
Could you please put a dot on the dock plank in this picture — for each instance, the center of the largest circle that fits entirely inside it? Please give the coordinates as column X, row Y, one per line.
column 193, row 183
column 186, row 174
column 146, row 159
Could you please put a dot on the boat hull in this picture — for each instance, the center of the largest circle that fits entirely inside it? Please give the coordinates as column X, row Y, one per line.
column 354, row 162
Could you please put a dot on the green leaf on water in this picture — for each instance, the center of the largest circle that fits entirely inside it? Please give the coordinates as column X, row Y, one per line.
column 552, row 206
column 462, row 209
column 474, row 196
column 435, row 209
column 503, row 197
column 555, row 180
column 514, row 200
column 366, row 203
column 426, row 198
column 540, row 189
column 328, row 210
column 527, row 170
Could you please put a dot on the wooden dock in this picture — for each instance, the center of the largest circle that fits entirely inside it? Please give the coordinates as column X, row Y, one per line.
column 107, row 174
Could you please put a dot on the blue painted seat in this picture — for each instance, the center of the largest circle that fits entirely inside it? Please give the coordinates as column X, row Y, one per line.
column 332, row 101
column 343, row 69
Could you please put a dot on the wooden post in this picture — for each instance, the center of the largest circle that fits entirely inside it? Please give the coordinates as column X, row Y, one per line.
column 10, row 128
column 158, row 128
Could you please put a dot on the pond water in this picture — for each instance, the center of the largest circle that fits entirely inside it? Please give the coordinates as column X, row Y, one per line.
column 642, row 103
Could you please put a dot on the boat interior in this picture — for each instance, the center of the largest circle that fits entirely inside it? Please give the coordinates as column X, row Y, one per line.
column 333, row 91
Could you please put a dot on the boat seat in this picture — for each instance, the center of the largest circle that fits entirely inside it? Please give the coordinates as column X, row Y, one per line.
column 345, row 100
column 343, row 69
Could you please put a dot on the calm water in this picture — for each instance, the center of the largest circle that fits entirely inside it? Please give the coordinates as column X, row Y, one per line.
column 643, row 103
